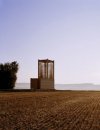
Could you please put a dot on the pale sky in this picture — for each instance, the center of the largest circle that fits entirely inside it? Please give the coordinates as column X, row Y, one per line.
column 66, row 31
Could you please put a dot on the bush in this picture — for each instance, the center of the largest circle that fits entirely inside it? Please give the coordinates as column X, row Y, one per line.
column 8, row 75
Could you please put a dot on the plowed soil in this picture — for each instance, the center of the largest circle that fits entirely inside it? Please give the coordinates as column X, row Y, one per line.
column 66, row 110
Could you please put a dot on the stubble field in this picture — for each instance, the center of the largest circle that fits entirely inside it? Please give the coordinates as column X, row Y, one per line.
column 67, row 110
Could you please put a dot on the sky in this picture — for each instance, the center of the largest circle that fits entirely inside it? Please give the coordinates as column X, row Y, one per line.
column 66, row 31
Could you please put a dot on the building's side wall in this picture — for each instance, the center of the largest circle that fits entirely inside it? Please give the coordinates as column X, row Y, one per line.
column 46, row 84
column 34, row 83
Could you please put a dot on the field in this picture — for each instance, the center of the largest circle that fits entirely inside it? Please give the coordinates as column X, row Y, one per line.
column 66, row 110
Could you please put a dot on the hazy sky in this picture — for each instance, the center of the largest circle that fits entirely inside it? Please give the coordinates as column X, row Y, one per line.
column 67, row 31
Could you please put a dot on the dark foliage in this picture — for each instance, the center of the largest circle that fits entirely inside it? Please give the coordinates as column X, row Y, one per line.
column 8, row 75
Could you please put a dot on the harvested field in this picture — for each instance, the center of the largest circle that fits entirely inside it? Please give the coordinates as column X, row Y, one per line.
column 67, row 110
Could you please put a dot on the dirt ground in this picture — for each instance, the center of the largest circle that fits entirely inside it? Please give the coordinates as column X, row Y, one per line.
column 66, row 110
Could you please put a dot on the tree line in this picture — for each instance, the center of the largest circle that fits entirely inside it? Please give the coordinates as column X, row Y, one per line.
column 8, row 76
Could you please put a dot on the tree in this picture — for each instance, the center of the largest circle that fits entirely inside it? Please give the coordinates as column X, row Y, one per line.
column 8, row 75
